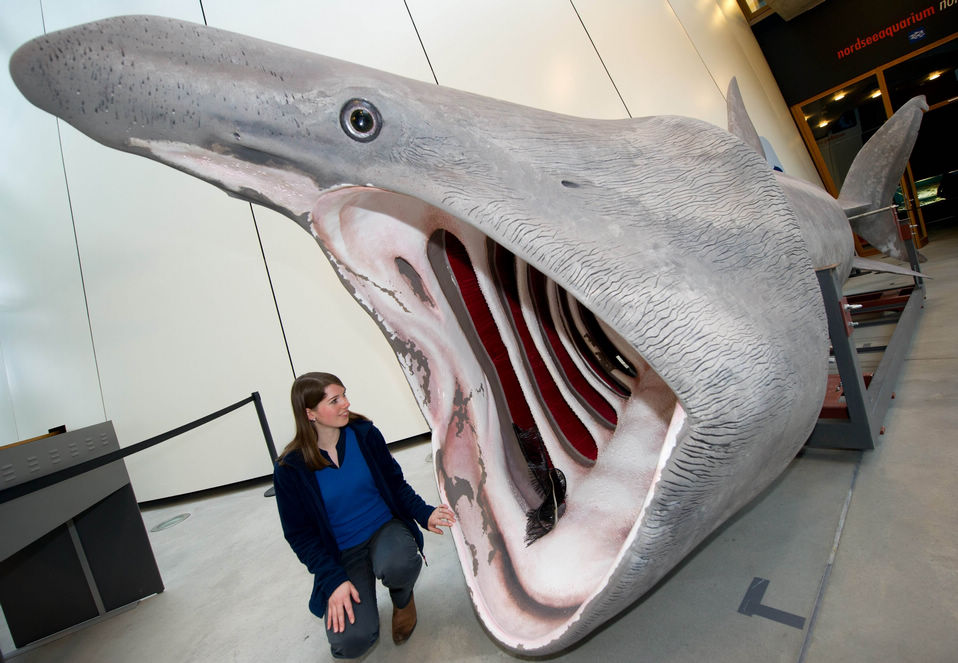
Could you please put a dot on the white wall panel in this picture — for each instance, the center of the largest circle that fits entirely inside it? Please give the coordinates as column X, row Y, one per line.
column 651, row 59
column 8, row 416
column 325, row 328
column 50, row 375
column 719, row 41
column 182, row 316
column 788, row 140
column 328, row 331
column 59, row 14
column 374, row 33
column 533, row 52
column 737, row 27
column 183, row 319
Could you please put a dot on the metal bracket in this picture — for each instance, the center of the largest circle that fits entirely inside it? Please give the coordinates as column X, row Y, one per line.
column 858, row 424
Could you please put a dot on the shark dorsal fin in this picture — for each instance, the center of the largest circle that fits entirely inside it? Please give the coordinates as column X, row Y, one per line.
column 873, row 177
column 876, row 169
column 739, row 123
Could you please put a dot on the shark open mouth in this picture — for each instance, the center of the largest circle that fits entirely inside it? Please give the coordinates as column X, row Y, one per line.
column 488, row 344
column 636, row 299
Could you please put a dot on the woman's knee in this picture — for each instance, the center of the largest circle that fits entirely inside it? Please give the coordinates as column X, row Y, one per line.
column 396, row 557
column 352, row 643
column 400, row 569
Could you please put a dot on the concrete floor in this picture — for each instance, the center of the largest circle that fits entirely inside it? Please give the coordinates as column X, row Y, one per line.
column 862, row 548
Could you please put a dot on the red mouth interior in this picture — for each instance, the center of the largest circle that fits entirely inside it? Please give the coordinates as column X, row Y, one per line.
column 566, row 422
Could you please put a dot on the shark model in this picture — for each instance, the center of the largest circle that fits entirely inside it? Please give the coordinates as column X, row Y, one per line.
column 633, row 299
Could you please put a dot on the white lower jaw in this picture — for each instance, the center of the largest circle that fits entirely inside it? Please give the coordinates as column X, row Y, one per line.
column 532, row 590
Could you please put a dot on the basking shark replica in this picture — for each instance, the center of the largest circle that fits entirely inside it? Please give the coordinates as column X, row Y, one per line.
column 613, row 328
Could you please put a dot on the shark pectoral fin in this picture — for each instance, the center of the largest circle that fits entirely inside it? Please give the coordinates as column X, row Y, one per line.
column 854, row 207
column 739, row 123
column 878, row 266
column 880, row 229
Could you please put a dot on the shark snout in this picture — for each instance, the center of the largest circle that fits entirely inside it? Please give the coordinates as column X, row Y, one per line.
column 110, row 86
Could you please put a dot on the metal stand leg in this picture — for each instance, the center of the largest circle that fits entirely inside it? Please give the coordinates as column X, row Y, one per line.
column 866, row 406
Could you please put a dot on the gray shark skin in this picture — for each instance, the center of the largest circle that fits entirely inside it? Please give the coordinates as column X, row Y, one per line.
column 671, row 232
column 871, row 181
column 865, row 197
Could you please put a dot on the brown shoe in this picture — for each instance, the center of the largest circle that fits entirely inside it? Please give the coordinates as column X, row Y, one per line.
column 404, row 621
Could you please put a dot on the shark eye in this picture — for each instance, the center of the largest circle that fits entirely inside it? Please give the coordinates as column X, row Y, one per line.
column 360, row 120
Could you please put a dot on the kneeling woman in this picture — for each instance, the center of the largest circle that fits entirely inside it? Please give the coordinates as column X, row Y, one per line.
column 350, row 517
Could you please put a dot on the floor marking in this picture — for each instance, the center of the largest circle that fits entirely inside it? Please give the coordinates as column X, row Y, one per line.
column 831, row 560
column 752, row 605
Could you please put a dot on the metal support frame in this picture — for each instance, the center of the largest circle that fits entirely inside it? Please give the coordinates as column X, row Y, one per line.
column 865, row 406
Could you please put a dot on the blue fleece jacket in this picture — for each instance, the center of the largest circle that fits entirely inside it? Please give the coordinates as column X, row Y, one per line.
column 305, row 522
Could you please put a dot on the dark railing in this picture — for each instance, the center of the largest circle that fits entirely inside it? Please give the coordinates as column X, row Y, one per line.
column 39, row 483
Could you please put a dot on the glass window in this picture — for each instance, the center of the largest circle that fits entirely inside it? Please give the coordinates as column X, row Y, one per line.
column 931, row 73
column 841, row 123
column 934, row 166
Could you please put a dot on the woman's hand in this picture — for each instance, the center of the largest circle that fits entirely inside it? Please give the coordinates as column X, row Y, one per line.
column 441, row 515
column 340, row 607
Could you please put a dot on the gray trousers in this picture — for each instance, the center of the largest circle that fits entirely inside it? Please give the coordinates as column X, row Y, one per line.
column 392, row 556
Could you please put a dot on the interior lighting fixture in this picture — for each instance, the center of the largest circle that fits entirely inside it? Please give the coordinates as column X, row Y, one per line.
column 839, row 96
column 823, row 123
column 933, row 75
column 875, row 94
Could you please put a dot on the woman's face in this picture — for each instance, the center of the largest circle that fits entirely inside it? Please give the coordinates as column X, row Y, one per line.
column 333, row 410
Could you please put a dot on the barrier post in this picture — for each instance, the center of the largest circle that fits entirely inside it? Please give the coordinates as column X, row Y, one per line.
column 261, row 413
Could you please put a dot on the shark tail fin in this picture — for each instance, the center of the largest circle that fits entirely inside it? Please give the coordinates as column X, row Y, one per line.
column 879, row 266
column 870, row 184
column 739, row 123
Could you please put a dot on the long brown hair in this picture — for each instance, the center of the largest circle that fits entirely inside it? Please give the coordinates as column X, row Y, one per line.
column 307, row 391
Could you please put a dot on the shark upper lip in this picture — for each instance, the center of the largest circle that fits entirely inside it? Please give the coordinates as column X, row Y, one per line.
column 670, row 233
